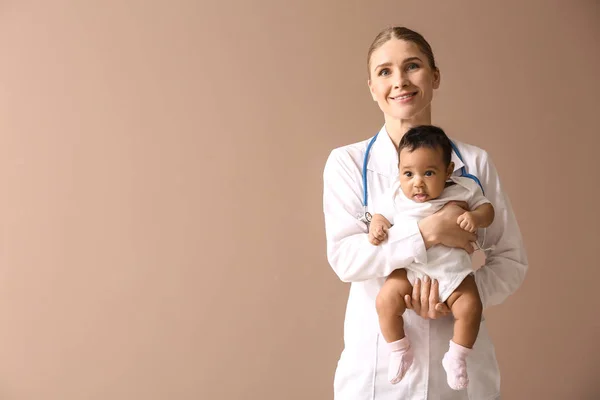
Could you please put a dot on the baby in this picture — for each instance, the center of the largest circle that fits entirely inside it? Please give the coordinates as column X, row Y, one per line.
column 424, row 185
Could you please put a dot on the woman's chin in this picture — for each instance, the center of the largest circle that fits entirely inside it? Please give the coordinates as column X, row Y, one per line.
column 408, row 113
column 404, row 116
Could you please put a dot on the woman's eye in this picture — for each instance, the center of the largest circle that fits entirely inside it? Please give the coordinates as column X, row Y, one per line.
column 384, row 72
column 412, row 66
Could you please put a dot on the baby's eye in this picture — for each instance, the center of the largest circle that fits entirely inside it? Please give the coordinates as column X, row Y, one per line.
column 429, row 173
column 408, row 174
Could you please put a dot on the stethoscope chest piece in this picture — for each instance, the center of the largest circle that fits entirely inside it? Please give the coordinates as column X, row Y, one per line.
column 365, row 216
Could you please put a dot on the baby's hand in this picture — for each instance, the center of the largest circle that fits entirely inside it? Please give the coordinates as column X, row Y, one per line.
column 467, row 222
column 378, row 229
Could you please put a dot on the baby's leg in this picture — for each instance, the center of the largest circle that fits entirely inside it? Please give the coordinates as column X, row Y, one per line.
column 390, row 307
column 467, row 309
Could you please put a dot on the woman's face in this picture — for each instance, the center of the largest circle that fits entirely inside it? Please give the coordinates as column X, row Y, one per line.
column 401, row 80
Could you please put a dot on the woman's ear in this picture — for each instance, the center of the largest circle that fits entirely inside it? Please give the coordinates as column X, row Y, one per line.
column 436, row 78
column 371, row 90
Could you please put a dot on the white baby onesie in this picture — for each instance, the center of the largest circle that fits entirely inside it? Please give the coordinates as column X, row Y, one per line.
column 448, row 265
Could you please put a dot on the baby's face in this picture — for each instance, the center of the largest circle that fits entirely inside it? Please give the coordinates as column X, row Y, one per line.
column 423, row 174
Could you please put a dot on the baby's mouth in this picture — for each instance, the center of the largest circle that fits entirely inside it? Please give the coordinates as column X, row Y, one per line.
column 420, row 196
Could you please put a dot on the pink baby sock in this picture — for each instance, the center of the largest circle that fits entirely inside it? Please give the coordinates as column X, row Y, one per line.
column 455, row 364
column 401, row 358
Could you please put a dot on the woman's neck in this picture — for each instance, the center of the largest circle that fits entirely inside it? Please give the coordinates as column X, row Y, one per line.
column 396, row 128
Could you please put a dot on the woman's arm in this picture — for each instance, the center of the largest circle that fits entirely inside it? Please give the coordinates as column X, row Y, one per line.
column 506, row 263
column 442, row 228
column 349, row 252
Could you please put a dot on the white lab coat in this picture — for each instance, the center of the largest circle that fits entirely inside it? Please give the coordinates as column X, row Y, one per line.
column 361, row 372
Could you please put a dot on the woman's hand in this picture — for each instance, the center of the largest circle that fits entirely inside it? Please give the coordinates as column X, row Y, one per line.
column 425, row 300
column 442, row 228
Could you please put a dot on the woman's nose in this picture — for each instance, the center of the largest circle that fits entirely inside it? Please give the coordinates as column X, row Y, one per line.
column 402, row 81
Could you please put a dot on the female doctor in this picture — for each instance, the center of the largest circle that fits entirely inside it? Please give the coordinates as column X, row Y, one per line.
column 402, row 78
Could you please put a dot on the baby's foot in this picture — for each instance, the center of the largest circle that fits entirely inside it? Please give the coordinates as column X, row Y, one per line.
column 401, row 358
column 455, row 364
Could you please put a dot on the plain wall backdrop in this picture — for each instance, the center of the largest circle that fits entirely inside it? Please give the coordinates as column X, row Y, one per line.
column 162, row 234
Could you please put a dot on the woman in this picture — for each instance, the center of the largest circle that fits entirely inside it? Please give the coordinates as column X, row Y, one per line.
column 402, row 78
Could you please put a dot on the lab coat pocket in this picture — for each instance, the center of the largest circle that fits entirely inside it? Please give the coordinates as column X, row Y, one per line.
column 355, row 371
column 483, row 368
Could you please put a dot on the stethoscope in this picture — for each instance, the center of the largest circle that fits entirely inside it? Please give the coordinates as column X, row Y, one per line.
column 366, row 216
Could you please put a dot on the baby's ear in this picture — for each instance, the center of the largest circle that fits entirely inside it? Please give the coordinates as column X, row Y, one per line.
column 450, row 170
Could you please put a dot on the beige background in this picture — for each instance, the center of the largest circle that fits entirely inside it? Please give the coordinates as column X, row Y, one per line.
column 160, row 209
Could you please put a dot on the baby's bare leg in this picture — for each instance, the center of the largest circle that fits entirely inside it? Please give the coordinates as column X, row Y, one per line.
column 467, row 309
column 390, row 305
